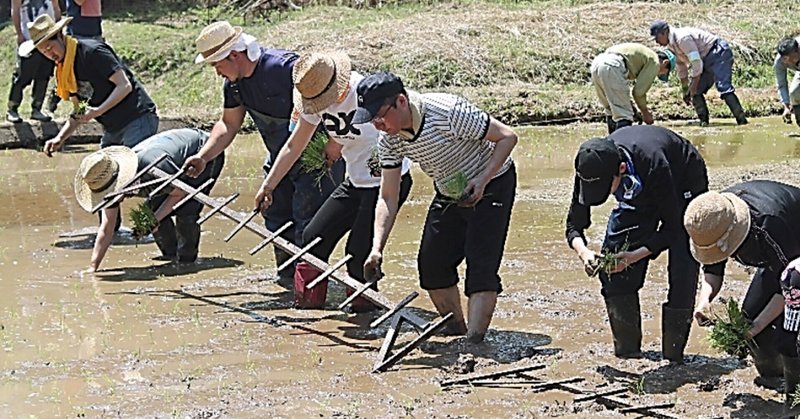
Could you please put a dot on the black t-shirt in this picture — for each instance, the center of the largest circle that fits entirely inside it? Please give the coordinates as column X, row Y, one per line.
column 774, row 237
column 669, row 166
column 95, row 62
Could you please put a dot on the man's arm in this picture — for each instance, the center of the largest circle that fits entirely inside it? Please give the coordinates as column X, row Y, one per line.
column 290, row 152
column 642, row 84
column 54, row 144
column 221, row 137
column 57, row 10
column 16, row 5
column 105, row 233
column 165, row 209
column 385, row 216
column 709, row 289
column 689, row 47
column 504, row 139
column 578, row 220
column 768, row 314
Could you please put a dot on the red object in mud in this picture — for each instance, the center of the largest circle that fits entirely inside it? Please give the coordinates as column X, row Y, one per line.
column 304, row 273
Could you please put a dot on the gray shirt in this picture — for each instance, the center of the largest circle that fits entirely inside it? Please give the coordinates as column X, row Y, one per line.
column 780, row 76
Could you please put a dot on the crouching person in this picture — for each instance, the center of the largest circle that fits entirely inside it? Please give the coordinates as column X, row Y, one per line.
column 756, row 223
column 106, row 170
column 653, row 173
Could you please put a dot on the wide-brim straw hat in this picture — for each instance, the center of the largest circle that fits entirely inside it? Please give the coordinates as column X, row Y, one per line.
column 320, row 78
column 215, row 41
column 717, row 224
column 40, row 30
column 103, row 172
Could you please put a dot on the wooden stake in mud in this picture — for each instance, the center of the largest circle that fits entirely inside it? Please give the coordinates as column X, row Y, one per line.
column 269, row 239
column 491, row 375
column 191, row 196
column 427, row 333
column 216, row 209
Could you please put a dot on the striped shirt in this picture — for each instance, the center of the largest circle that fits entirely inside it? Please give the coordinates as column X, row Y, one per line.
column 449, row 140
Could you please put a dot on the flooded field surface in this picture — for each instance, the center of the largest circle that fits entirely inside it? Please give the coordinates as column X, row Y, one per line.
column 220, row 339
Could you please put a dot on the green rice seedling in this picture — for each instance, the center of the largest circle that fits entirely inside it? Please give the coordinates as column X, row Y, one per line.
column 143, row 220
column 313, row 159
column 728, row 333
column 796, row 397
column 454, row 188
column 608, row 260
column 78, row 108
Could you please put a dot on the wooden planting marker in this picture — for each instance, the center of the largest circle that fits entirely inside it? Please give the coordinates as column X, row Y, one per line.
column 384, row 364
column 244, row 221
column 491, row 375
column 269, row 239
column 168, row 181
column 299, row 253
column 216, row 209
column 329, row 272
column 355, row 294
column 191, row 196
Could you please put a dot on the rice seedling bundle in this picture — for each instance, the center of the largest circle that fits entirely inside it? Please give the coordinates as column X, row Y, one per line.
column 728, row 333
column 143, row 220
column 313, row 159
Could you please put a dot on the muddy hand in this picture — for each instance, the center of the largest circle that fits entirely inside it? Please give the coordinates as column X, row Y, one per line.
column 372, row 267
column 51, row 146
column 702, row 319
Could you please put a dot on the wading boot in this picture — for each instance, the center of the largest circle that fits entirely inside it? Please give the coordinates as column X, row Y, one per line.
column 166, row 239
column 701, row 107
column 285, row 275
column 622, row 123
column 188, row 234
column 626, row 325
column 675, row 326
column 610, row 124
column 304, row 274
column 769, row 364
column 791, row 376
column 796, row 112
column 736, row 108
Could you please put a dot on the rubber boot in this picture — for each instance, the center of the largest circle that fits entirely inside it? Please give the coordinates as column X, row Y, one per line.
column 281, row 257
column 166, row 239
column 736, row 108
column 626, row 325
column 188, row 237
column 796, row 112
column 308, row 298
column 791, row 377
column 701, row 107
column 675, row 326
column 622, row 123
column 610, row 124
column 767, row 361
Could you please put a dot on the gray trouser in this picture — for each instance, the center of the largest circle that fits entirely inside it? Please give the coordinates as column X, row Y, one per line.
column 135, row 132
column 609, row 77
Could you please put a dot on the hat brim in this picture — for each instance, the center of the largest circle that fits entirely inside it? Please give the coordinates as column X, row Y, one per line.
column 367, row 112
column 596, row 192
column 709, row 255
column 26, row 48
column 339, row 86
column 127, row 163
column 223, row 50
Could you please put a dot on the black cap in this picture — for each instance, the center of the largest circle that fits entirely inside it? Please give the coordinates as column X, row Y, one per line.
column 658, row 26
column 372, row 91
column 787, row 46
column 596, row 165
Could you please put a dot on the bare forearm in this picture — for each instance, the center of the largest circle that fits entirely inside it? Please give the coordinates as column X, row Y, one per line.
column 69, row 128
column 502, row 150
column 289, row 154
column 221, row 137
column 773, row 309
column 165, row 209
column 385, row 216
column 105, row 233
column 709, row 288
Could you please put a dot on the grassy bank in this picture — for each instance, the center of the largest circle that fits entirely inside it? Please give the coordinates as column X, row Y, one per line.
column 523, row 61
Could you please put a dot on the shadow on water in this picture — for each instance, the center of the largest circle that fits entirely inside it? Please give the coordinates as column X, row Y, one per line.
column 751, row 406
column 169, row 269
column 666, row 379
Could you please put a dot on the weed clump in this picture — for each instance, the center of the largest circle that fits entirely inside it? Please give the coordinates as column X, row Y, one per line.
column 143, row 220
column 728, row 332
column 313, row 159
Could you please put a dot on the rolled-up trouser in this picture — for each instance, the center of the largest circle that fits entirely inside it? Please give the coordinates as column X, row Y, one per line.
column 717, row 69
column 609, row 77
column 763, row 287
column 136, row 131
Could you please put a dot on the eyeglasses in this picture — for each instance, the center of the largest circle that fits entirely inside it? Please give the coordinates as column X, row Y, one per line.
column 379, row 118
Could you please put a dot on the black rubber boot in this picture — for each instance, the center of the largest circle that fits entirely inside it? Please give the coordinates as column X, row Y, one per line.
column 767, row 361
column 622, row 123
column 610, row 124
column 791, row 377
column 701, row 107
column 626, row 325
column 188, row 237
column 286, row 274
column 166, row 239
column 796, row 112
column 675, row 326
column 736, row 108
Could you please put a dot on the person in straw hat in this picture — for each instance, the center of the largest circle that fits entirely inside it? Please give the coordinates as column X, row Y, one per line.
column 90, row 71
column 756, row 223
column 258, row 82
column 653, row 173
column 34, row 68
column 325, row 92
column 106, row 170
column 468, row 155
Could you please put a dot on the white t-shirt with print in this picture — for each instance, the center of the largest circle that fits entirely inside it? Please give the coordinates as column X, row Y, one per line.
column 359, row 142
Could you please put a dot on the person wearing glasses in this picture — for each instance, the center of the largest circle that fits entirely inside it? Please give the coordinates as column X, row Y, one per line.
column 258, row 82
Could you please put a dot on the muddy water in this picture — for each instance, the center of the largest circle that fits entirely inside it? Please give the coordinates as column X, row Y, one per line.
column 143, row 338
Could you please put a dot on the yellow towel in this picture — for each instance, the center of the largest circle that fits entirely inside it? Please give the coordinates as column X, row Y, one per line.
column 66, row 84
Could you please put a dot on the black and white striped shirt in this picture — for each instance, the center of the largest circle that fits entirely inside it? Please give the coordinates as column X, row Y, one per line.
column 451, row 138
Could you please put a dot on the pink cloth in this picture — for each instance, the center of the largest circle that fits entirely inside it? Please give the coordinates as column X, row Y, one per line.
column 684, row 41
column 91, row 8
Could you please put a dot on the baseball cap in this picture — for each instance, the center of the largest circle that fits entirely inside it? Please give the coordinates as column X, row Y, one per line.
column 658, row 26
column 596, row 165
column 372, row 91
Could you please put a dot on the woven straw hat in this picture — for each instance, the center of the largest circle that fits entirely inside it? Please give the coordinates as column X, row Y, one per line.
column 215, row 41
column 717, row 224
column 319, row 80
column 103, row 172
column 40, row 30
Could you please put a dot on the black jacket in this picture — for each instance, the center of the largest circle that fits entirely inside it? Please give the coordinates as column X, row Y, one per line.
column 669, row 166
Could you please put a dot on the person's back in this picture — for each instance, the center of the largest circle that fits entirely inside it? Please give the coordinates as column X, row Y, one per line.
column 87, row 16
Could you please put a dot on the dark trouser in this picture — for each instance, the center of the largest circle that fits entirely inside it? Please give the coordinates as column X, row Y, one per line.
column 37, row 69
column 352, row 209
column 717, row 69
column 477, row 234
column 137, row 130
column 181, row 238
column 297, row 198
column 763, row 287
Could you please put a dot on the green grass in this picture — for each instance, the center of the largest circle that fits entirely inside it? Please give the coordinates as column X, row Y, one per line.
column 528, row 63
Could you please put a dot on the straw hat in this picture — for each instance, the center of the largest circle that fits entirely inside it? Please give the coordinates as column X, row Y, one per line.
column 40, row 30
column 319, row 80
column 215, row 41
column 103, row 172
column 717, row 224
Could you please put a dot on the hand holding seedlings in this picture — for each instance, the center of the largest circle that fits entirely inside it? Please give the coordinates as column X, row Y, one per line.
column 473, row 192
